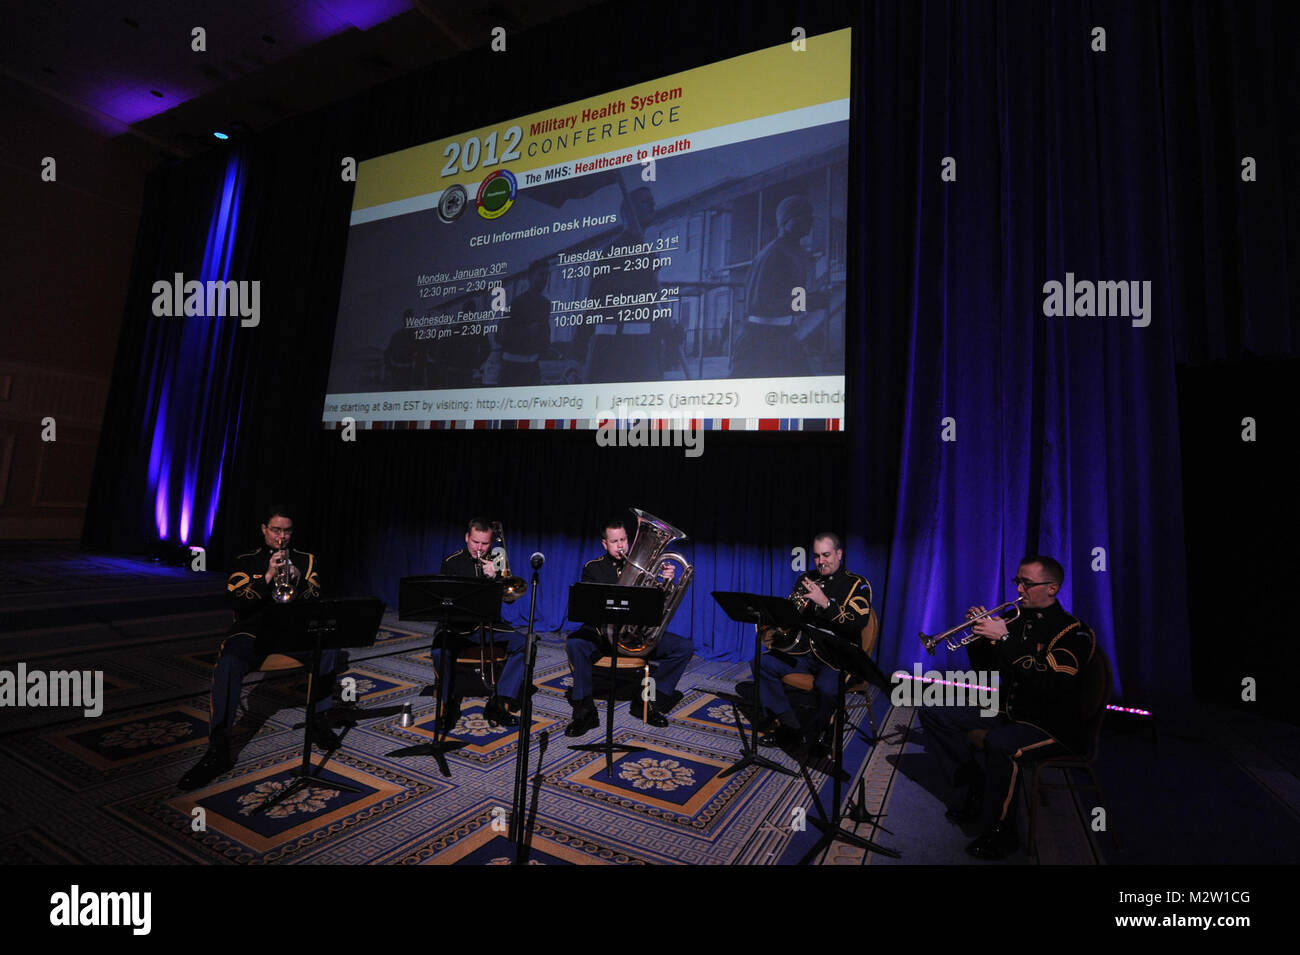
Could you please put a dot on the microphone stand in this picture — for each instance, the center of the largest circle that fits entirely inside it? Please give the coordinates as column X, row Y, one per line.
column 518, row 824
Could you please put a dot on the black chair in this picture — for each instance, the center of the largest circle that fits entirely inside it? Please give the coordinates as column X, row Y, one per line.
column 1097, row 696
column 803, row 682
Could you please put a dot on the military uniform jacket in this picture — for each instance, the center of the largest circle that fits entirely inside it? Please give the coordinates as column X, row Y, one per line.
column 461, row 564
column 850, row 604
column 247, row 590
column 1043, row 662
column 603, row 570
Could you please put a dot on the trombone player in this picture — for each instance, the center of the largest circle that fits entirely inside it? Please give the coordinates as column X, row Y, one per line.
column 1042, row 655
column 585, row 645
column 474, row 560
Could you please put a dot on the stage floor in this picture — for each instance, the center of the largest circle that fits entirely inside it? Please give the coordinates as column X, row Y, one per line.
column 103, row 790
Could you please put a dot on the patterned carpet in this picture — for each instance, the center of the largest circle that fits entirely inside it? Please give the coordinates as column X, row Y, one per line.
column 103, row 790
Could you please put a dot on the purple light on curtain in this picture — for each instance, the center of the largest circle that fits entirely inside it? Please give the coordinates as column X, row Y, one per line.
column 212, row 502
column 160, row 510
column 194, row 385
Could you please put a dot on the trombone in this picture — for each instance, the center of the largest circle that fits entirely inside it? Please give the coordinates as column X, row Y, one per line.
column 515, row 587
column 931, row 640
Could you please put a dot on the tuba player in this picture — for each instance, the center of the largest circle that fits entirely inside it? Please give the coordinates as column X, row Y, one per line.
column 585, row 645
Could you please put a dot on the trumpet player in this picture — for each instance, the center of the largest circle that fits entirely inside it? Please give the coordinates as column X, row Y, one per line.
column 1041, row 654
column 275, row 572
column 672, row 653
column 833, row 599
column 474, row 560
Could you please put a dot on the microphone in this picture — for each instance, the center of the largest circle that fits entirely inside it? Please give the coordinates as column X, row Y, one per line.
column 537, row 560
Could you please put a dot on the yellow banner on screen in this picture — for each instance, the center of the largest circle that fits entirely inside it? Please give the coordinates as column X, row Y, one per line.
column 763, row 83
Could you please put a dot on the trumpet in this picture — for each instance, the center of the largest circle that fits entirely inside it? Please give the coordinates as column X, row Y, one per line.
column 282, row 585
column 930, row 641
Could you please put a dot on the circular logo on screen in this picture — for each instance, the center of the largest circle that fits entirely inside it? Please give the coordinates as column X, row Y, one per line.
column 496, row 194
column 452, row 203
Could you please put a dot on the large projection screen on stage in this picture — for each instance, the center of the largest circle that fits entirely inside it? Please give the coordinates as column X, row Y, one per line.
column 672, row 251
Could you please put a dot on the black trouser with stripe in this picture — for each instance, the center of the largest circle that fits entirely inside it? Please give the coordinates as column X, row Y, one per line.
column 1007, row 748
column 240, row 654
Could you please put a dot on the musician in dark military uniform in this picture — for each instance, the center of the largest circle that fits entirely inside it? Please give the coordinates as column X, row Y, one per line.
column 473, row 560
column 250, row 590
column 837, row 601
column 584, row 646
column 1042, row 655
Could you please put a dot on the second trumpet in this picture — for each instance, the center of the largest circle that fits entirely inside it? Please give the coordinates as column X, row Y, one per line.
column 931, row 640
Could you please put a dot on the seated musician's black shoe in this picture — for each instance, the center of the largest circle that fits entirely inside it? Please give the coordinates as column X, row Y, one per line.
column 585, row 718
column 823, row 747
column 322, row 734
column 998, row 843
column 649, row 712
column 215, row 761
column 784, row 737
column 668, row 701
column 517, row 702
column 496, row 713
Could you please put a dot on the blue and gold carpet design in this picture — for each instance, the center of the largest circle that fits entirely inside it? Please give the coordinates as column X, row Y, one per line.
column 104, row 790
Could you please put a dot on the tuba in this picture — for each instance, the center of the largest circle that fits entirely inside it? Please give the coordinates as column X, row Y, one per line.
column 641, row 569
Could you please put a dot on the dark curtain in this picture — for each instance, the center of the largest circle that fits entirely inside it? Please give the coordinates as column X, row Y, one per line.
column 979, row 429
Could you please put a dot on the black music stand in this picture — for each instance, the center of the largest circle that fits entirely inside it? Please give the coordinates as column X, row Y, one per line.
column 520, row 832
column 614, row 605
column 322, row 624
column 448, row 601
column 851, row 661
column 762, row 611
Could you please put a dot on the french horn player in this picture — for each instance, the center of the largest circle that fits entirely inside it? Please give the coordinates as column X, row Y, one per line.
column 669, row 651
column 829, row 598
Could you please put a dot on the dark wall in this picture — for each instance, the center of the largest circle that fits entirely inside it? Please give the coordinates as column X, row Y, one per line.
column 65, row 253
column 1242, row 560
